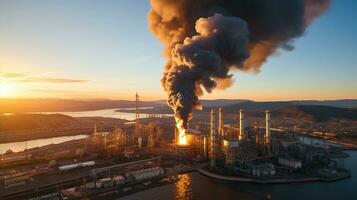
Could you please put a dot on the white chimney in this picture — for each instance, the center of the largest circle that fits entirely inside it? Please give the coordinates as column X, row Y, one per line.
column 241, row 124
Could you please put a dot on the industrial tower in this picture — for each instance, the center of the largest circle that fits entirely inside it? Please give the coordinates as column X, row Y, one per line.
column 241, row 124
column 220, row 124
column 267, row 126
column 137, row 121
column 213, row 141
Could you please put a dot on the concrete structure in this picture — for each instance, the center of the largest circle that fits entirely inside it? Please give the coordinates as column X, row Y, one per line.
column 241, row 124
column 213, row 140
column 267, row 126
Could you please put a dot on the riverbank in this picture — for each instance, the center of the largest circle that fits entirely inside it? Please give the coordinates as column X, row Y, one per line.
column 269, row 181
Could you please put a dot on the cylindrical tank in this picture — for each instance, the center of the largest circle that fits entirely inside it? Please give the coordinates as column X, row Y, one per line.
column 76, row 165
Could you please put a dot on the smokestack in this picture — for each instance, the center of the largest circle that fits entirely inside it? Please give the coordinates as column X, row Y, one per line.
column 267, row 126
column 241, row 124
column 206, row 40
column 220, row 124
column 213, row 140
column 205, row 146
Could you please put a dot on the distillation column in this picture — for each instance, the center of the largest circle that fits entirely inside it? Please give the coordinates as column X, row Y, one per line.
column 241, row 124
column 220, row 124
column 212, row 140
column 267, row 126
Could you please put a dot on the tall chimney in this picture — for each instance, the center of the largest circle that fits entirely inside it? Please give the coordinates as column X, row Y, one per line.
column 241, row 124
column 267, row 125
column 220, row 123
column 205, row 146
column 213, row 140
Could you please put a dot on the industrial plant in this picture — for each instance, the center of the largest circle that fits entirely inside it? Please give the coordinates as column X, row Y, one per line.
column 152, row 151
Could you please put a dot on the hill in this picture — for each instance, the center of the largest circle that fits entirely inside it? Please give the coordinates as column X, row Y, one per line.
column 317, row 113
column 20, row 122
column 62, row 105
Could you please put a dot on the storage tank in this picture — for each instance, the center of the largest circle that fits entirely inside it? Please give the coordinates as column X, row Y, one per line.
column 76, row 165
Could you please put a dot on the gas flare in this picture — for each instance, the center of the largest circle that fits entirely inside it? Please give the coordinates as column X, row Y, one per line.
column 182, row 139
column 205, row 40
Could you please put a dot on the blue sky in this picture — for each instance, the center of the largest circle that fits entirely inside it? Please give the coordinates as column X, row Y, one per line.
column 103, row 49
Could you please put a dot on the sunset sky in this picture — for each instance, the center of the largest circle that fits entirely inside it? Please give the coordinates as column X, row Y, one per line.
column 103, row 49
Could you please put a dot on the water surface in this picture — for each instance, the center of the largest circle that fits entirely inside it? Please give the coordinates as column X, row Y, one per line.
column 196, row 186
column 20, row 146
column 113, row 113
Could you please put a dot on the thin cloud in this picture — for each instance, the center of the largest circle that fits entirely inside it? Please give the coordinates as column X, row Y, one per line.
column 30, row 78
column 50, row 80
column 142, row 59
column 56, row 91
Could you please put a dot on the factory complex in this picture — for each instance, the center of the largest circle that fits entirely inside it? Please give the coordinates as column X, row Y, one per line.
column 147, row 153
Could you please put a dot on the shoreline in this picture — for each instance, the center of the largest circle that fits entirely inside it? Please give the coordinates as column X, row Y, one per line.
column 269, row 181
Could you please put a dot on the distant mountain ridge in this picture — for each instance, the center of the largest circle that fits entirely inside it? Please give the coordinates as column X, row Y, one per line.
column 317, row 113
column 61, row 105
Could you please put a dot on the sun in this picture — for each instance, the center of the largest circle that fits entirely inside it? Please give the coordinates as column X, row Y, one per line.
column 5, row 89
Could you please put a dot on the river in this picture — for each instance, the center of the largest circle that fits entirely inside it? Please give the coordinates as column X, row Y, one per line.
column 113, row 113
column 194, row 186
column 20, row 146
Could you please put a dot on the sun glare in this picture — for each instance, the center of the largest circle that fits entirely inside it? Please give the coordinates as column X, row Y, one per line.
column 5, row 89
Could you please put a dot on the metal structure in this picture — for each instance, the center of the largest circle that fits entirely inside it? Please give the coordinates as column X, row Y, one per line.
column 205, row 147
column 137, row 121
column 76, row 165
column 267, row 126
column 95, row 172
column 213, row 140
column 220, row 124
column 241, row 124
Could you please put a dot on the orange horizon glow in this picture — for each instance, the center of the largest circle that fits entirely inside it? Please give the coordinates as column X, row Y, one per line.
column 6, row 90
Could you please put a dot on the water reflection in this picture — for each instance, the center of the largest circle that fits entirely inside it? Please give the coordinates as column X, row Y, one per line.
column 20, row 146
column 184, row 188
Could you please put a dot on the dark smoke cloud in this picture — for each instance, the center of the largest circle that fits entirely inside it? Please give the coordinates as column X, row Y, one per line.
column 206, row 39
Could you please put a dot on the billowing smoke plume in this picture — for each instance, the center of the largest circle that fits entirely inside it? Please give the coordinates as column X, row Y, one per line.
column 206, row 39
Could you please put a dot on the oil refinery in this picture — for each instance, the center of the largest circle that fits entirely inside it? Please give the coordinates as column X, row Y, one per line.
column 153, row 151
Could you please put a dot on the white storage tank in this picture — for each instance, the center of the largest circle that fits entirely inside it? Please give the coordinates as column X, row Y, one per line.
column 76, row 165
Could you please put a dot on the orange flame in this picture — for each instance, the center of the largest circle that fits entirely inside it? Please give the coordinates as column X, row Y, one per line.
column 182, row 138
